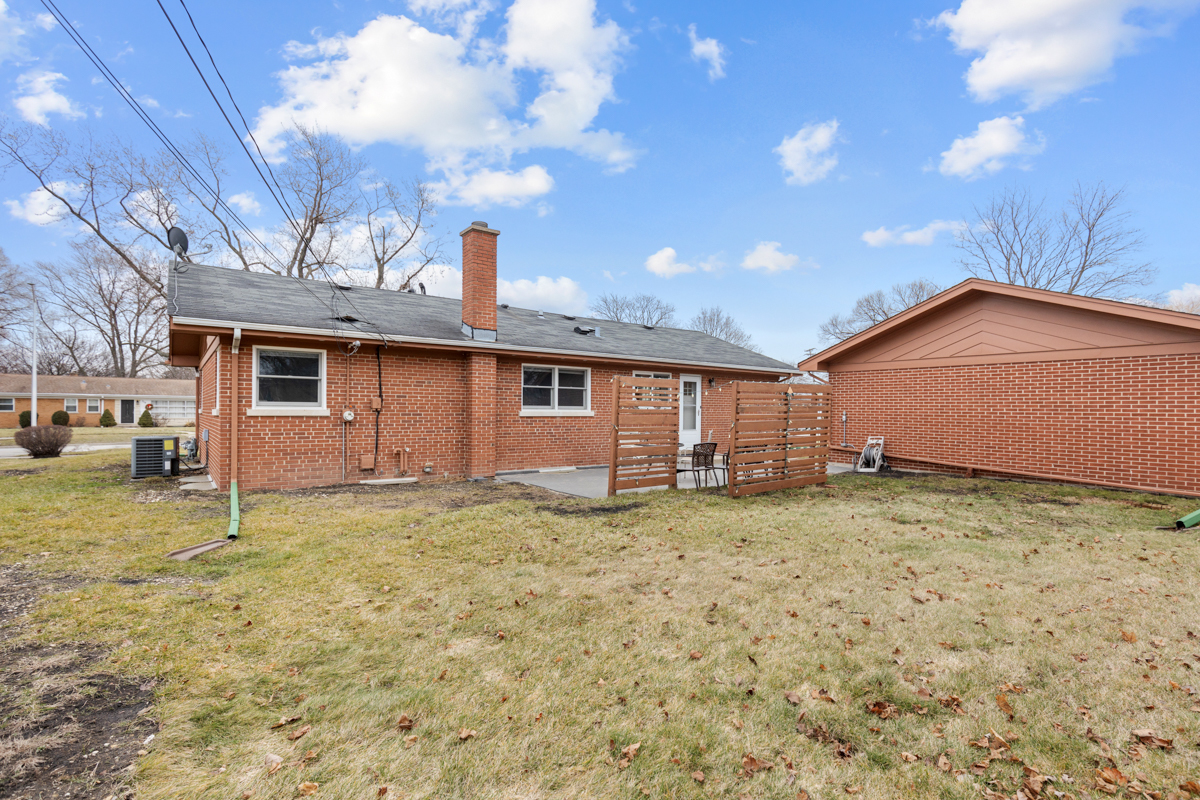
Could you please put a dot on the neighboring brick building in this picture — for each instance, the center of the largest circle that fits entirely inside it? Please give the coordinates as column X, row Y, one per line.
column 85, row 398
column 989, row 378
column 435, row 387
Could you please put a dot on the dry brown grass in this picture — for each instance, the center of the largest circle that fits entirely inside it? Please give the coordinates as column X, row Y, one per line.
column 673, row 620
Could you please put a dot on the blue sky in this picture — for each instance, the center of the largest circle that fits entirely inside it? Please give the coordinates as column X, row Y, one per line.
column 791, row 156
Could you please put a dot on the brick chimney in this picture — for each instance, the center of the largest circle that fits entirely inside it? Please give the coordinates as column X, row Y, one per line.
column 479, row 282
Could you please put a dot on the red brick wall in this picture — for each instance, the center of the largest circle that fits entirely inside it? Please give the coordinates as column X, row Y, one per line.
column 1132, row 421
column 428, row 407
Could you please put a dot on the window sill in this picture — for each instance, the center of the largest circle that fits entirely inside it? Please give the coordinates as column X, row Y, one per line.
column 287, row 412
column 550, row 412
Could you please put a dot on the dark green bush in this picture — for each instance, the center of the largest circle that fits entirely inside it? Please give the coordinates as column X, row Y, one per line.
column 44, row 441
column 107, row 420
column 60, row 417
column 145, row 420
column 24, row 419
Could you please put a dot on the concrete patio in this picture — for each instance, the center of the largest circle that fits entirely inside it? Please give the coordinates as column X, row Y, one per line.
column 592, row 482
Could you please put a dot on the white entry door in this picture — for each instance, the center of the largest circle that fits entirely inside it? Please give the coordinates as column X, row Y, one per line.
column 689, row 410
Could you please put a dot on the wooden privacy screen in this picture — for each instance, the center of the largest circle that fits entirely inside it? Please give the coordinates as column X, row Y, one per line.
column 645, row 433
column 780, row 436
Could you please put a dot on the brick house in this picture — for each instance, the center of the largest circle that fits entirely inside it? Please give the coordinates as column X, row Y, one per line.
column 85, row 398
column 989, row 378
column 305, row 383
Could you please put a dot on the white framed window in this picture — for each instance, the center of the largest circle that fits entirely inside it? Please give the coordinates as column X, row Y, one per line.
column 658, row 376
column 71, row 405
column 7, row 404
column 93, row 405
column 555, row 391
column 288, row 381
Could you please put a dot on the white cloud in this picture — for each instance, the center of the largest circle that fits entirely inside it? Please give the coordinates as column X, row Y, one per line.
column 664, row 264
column 766, row 256
column 458, row 98
column 988, row 150
column 882, row 237
column 709, row 50
column 40, row 97
column 805, row 156
column 463, row 15
column 38, row 207
column 548, row 294
column 246, row 203
column 1045, row 49
column 45, row 21
column 486, row 187
column 1185, row 299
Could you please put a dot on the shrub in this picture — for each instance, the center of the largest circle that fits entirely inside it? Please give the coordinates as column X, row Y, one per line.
column 44, row 441
column 107, row 420
column 160, row 420
column 24, row 419
column 145, row 420
column 60, row 417
column 79, row 422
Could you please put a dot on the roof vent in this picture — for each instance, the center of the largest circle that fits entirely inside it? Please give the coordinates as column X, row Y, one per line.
column 343, row 287
column 346, row 318
column 541, row 315
column 504, row 305
column 648, row 327
column 567, row 316
column 585, row 330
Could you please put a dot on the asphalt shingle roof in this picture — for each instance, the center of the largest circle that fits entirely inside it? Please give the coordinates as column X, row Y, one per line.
column 230, row 295
column 84, row 385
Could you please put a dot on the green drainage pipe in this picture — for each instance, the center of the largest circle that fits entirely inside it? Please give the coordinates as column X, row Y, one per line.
column 235, row 512
column 1189, row 521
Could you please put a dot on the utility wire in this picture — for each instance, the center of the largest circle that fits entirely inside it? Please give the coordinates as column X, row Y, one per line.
column 125, row 95
column 281, row 197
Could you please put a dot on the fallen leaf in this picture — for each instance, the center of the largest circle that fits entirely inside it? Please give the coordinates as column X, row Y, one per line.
column 1110, row 780
column 822, row 694
column 698, row 777
column 1129, row 637
column 382, row 792
column 404, row 723
column 230, row 695
column 883, row 709
column 1191, row 787
column 752, row 764
column 307, row 788
column 465, row 733
column 299, row 732
column 285, row 721
column 695, row 655
column 909, row 757
column 1148, row 738
column 1002, row 702
column 943, row 763
column 273, row 763
column 853, row 789
column 409, row 741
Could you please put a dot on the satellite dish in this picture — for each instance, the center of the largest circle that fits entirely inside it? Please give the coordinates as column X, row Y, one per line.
column 177, row 239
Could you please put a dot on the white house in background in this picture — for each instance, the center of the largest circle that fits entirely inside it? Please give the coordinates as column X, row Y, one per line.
column 85, row 398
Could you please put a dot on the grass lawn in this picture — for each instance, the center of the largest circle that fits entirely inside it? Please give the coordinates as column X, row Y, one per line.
column 874, row 638
column 99, row 435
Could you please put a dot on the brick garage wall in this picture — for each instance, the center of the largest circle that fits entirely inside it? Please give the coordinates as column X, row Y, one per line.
column 215, row 450
column 1132, row 421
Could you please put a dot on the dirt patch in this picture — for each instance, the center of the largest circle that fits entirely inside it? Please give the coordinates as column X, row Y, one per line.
column 66, row 725
column 20, row 588
column 8, row 473
column 444, row 496
column 589, row 510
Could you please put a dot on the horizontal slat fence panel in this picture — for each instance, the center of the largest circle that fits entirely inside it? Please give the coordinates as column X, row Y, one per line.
column 780, row 437
column 645, row 433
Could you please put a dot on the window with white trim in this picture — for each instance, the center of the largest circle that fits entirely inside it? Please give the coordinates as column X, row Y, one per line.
column 93, row 405
column 71, row 405
column 555, row 388
column 7, row 404
column 289, row 378
column 658, row 376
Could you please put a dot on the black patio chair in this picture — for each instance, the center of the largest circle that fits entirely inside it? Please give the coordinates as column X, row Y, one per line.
column 701, row 461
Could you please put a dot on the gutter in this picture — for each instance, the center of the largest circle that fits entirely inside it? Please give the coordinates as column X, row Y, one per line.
column 473, row 345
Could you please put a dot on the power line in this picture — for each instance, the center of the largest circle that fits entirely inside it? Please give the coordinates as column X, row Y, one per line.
column 125, row 95
column 281, row 198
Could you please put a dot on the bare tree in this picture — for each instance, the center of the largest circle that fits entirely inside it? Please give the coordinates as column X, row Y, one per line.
column 642, row 309
column 397, row 222
column 100, row 300
column 1087, row 248
column 13, row 296
column 874, row 308
column 716, row 322
column 84, row 357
